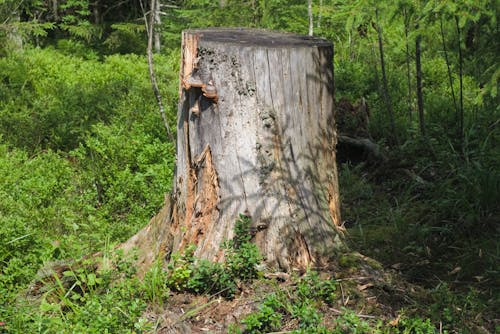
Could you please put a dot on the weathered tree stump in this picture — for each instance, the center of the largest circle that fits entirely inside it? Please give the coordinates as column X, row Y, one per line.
column 256, row 135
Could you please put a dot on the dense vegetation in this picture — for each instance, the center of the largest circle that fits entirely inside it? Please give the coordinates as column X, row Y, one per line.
column 85, row 159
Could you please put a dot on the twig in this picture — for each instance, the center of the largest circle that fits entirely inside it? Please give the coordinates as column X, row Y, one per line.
column 12, row 13
column 342, row 291
column 192, row 312
column 366, row 316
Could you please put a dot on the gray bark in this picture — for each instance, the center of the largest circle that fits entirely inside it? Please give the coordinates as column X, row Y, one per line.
column 310, row 15
column 157, row 25
column 256, row 135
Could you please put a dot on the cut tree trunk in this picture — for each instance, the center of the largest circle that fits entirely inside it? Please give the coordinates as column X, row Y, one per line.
column 256, row 135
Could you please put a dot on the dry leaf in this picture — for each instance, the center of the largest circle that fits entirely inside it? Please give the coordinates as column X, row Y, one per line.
column 396, row 266
column 454, row 271
column 364, row 286
column 395, row 322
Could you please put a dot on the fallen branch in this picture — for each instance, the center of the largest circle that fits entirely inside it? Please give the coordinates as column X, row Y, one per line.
column 357, row 314
column 371, row 151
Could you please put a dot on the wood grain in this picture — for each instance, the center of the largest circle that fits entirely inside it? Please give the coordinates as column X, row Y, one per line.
column 265, row 145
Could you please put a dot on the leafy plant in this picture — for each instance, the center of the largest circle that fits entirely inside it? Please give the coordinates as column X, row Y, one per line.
column 180, row 269
column 201, row 276
column 154, row 285
column 242, row 256
column 264, row 321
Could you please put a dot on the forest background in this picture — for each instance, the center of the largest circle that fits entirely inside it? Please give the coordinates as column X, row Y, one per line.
column 85, row 159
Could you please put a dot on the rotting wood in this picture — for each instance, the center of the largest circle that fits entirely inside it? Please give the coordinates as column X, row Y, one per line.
column 265, row 147
column 257, row 135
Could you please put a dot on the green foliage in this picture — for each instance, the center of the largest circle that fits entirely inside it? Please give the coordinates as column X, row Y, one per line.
column 85, row 301
column 267, row 319
column 300, row 302
column 84, row 161
column 242, row 256
column 313, row 287
column 304, row 302
column 416, row 326
column 180, row 269
column 349, row 322
column 186, row 273
column 212, row 278
column 154, row 285
column 49, row 100
column 126, row 38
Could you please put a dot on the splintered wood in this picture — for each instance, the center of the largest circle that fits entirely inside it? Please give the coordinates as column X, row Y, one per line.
column 256, row 134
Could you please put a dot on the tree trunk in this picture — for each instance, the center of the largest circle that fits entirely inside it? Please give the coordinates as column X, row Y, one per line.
column 318, row 23
column 150, row 31
column 450, row 76
column 157, row 25
column 256, row 135
column 387, row 96
column 420, row 99
column 408, row 71
column 310, row 15
column 460, row 75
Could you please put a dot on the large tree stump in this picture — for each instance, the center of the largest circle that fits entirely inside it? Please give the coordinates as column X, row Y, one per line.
column 256, row 135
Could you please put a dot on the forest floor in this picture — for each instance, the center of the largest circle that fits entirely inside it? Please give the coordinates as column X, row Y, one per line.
column 373, row 295
column 405, row 284
column 373, row 300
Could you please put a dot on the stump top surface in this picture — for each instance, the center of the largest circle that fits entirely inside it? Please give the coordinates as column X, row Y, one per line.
column 257, row 37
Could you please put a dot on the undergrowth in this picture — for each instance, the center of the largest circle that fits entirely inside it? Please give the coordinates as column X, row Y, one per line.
column 432, row 218
column 78, row 298
column 186, row 273
column 306, row 306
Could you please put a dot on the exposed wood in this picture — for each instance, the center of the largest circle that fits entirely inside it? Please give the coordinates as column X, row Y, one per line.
column 256, row 134
column 370, row 151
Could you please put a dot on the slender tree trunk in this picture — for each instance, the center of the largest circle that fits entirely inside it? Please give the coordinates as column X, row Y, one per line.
column 387, row 96
column 11, row 22
column 450, row 77
column 460, row 66
column 152, row 76
column 420, row 99
column 318, row 24
column 157, row 24
column 14, row 37
column 408, row 70
column 55, row 10
column 310, row 14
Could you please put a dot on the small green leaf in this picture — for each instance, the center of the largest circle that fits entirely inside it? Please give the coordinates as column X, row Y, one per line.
column 68, row 273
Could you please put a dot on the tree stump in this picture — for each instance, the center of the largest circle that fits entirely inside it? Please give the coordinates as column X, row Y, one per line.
column 256, row 135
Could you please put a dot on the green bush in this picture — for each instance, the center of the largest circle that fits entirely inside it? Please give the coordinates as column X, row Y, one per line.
column 84, row 301
column 201, row 276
